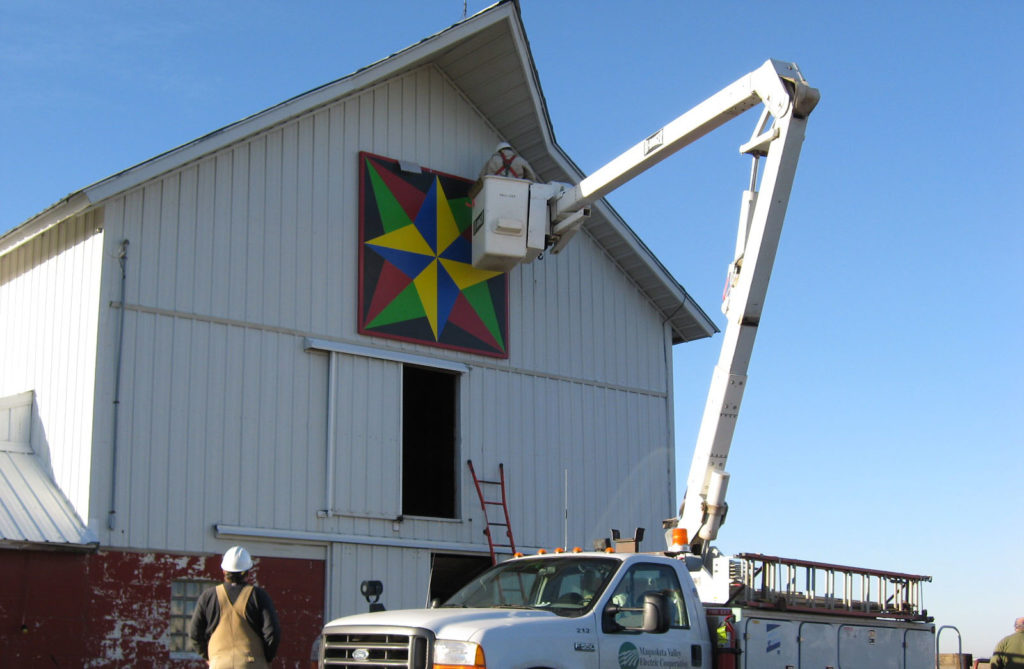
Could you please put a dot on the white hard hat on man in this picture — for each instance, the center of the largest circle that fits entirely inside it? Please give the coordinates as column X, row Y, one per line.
column 236, row 560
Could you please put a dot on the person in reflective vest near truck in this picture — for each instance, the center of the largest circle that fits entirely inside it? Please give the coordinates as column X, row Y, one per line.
column 234, row 624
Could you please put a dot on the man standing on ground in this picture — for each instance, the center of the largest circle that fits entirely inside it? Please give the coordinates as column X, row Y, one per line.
column 234, row 624
column 1009, row 653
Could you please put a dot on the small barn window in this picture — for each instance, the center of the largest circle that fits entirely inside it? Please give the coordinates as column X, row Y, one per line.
column 428, row 442
column 184, row 595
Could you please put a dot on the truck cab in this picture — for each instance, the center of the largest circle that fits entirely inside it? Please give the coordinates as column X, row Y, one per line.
column 588, row 610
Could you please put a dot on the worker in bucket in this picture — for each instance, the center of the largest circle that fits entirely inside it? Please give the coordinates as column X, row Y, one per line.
column 1009, row 652
column 234, row 624
column 504, row 162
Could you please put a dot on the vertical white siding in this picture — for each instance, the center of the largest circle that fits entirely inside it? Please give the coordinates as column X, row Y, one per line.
column 576, row 314
column 611, row 442
column 367, row 444
column 49, row 294
column 234, row 434
column 404, row 572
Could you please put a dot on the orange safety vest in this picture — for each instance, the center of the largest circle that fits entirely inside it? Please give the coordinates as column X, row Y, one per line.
column 234, row 644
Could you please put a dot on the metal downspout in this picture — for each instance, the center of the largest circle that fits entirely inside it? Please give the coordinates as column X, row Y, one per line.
column 332, row 380
column 122, row 259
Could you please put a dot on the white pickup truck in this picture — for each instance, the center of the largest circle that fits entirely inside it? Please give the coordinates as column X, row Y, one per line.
column 625, row 610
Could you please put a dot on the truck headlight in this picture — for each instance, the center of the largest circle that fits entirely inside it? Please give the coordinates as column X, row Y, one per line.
column 457, row 654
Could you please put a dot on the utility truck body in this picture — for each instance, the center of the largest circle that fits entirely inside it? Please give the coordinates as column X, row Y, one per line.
column 623, row 610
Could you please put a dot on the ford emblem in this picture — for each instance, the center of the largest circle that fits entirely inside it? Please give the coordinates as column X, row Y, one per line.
column 361, row 654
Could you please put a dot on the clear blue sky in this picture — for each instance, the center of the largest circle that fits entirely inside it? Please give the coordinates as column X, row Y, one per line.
column 881, row 425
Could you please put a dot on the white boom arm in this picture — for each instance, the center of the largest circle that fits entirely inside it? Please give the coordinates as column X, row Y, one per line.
column 760, row 224
column 779, row 133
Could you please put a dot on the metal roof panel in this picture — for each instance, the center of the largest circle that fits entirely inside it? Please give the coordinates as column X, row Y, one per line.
column 33, row 510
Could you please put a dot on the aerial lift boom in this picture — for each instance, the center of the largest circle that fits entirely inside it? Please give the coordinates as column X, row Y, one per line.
column 514, row 221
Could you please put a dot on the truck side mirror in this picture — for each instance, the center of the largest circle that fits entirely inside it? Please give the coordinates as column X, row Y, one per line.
column 656, row 620
column 608, row 623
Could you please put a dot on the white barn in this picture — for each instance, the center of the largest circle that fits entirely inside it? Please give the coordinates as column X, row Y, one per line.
column 228, row 388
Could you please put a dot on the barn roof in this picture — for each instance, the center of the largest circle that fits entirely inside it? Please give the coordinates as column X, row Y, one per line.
column 487, row 56
column 33, row 510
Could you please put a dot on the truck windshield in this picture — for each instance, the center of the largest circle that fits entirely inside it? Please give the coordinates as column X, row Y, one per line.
column 566, row 586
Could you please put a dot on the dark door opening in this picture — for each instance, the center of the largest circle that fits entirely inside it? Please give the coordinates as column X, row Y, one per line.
column 448, row 572
column 428, row 443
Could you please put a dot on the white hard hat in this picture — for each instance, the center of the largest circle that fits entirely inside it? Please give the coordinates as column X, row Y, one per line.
column 502, row 146
column 236, row 559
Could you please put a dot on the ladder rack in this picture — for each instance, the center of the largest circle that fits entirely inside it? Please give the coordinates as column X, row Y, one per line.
column 488, row 523
column 765, row 581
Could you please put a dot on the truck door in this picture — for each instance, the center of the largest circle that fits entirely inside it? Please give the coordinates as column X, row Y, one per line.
column 623, row 644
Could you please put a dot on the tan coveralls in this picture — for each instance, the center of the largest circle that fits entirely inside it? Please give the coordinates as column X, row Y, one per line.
column 234, row 644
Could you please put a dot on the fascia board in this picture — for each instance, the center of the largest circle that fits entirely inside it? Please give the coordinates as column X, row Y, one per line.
column 73, row 204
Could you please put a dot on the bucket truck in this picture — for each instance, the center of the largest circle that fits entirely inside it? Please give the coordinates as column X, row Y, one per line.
column 686, row 605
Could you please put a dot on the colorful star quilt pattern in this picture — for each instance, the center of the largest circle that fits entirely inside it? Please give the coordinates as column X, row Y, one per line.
column 416, row 278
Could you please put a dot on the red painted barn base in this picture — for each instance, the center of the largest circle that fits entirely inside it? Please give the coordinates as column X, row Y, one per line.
column 113, row 608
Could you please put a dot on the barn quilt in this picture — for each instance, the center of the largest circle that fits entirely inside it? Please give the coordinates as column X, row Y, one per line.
column 416, row 278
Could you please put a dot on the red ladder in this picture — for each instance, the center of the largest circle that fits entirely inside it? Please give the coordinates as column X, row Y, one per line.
column 484, row 503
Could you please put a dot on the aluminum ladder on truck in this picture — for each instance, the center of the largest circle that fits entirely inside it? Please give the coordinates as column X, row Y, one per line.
column 765, row 581
column 485, row 502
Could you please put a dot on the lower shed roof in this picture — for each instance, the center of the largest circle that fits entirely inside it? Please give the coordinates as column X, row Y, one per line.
column 33, row 511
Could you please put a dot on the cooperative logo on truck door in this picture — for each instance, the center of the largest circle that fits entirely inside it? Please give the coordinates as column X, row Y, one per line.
column 629, row 656
column 632, row 657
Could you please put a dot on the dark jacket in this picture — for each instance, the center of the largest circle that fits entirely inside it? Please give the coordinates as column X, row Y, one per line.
column 1009, row 653
column 259, row 613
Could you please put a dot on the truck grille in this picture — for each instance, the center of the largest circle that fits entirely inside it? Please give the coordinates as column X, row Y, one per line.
column 363, row 648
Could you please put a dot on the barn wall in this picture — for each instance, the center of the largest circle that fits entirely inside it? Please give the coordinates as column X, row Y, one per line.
column 238, row 257
column 112, row 608
column 265, row 231
column 404, row 572
column 49, row 295
column 577, row 315
column 607, row 444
